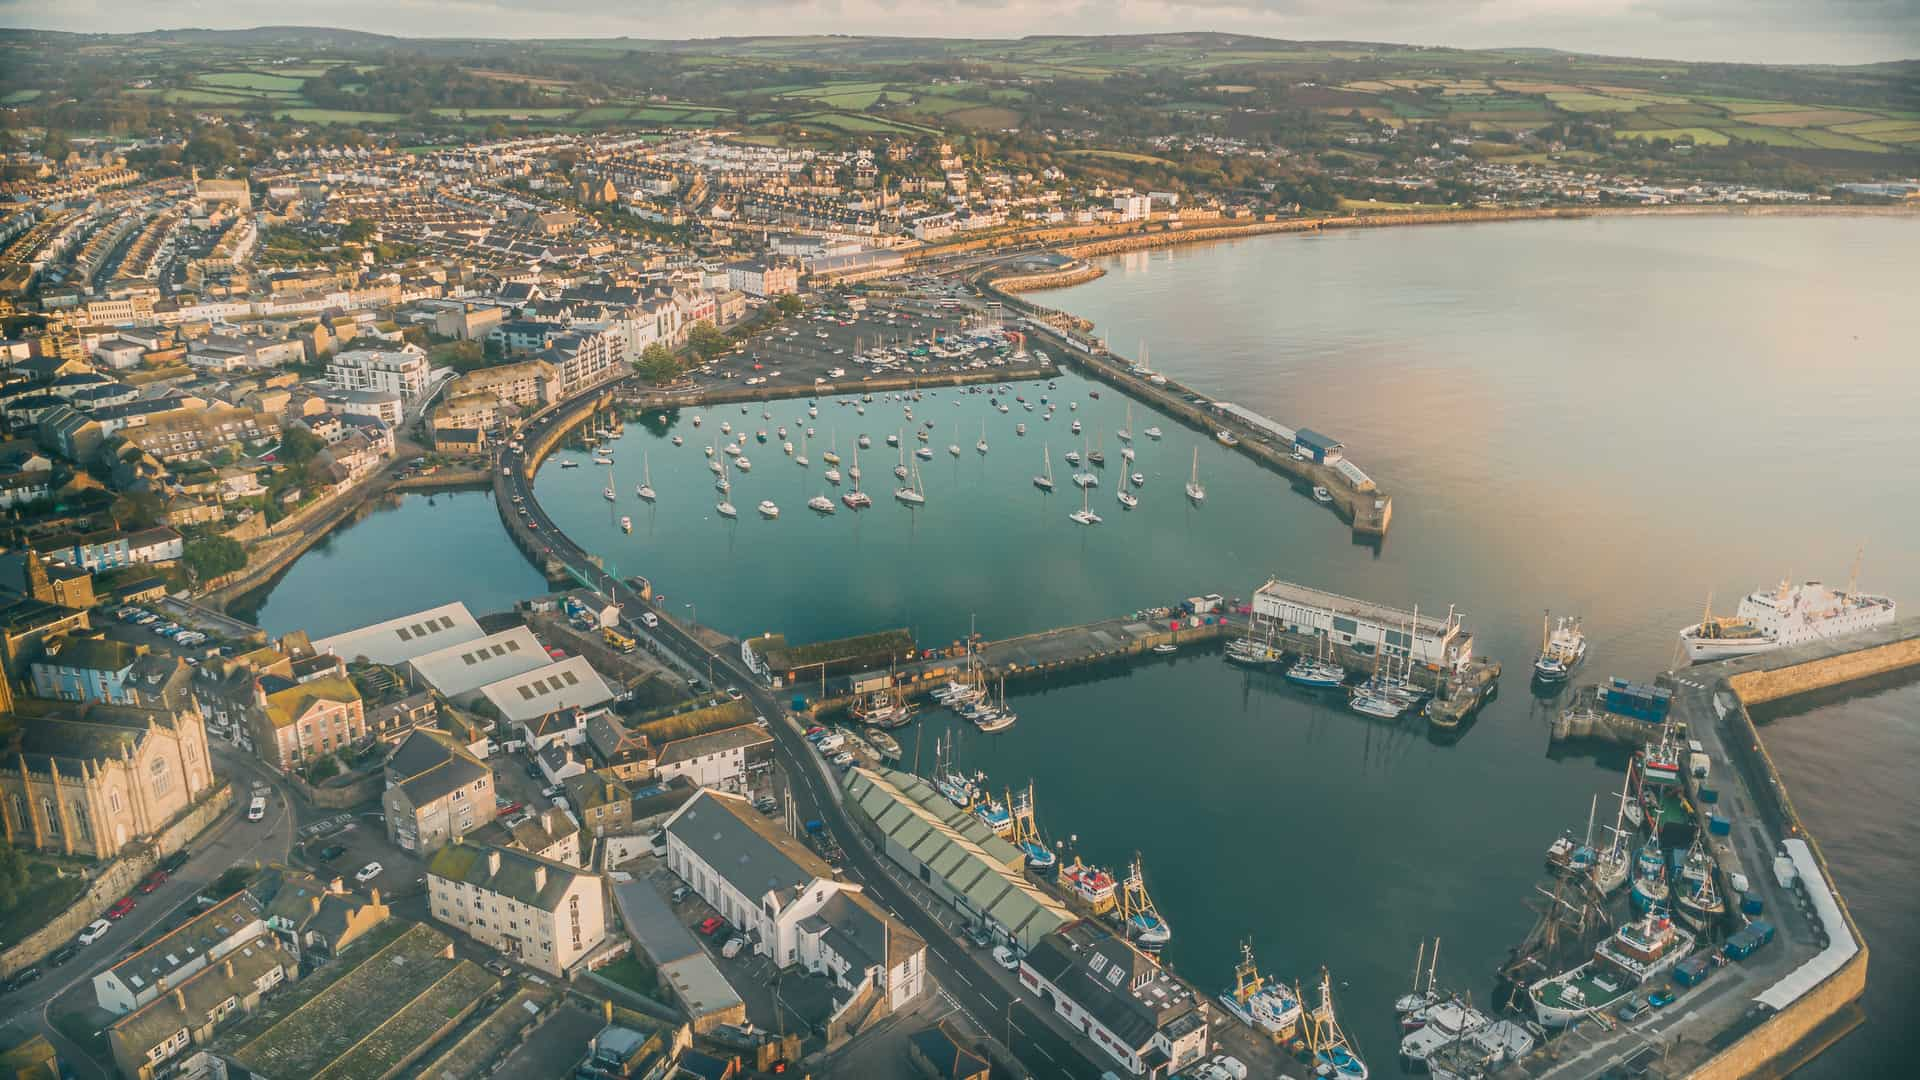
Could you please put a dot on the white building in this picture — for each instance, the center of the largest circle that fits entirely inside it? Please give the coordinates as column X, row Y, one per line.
column 1362, row 625
column 763, row 279
column 397, row 641
column 569, row 684
column 771, row 886
column 542, row 913
column 401, row 371
column 170, row 959
column 460, row 670
column 721, row 759
column 1148, row 1022
column 1132, row 207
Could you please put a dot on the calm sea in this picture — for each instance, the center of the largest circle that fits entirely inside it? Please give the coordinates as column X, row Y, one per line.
column 1610, row 418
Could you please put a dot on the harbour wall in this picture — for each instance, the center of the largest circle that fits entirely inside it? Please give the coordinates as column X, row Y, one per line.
column 1762, row 686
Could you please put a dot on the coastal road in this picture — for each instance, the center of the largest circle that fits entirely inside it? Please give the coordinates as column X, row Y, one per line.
column 231, row 841
column 962, row 972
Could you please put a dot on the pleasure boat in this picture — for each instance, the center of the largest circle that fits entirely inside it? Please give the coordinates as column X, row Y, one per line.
column 820, row 503
column 1071, row 457
column 1139, row 479
column 1127, row 498
column 743, row 464
column 1194, row 491
column 1019, row 429
column 832, row 476
column 726, row 509
column 1316, row 673
column 626, row 524
column 1322, row 495
column 1153, row 433
column 1084, row 515
column 1045, row 480
column 864, row 442
column 768, row 509
column 678, row 441
column 645, row 490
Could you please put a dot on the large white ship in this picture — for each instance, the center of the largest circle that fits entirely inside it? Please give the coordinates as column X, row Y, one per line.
column 1787, row 615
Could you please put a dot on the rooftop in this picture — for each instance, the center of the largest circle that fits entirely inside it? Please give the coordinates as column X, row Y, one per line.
column 203, row 992
column 288, row 705
column 569, row 683
column 531, row 880
column 396, row 641
column 191, row 941
column 744, row 847
column 713, row 742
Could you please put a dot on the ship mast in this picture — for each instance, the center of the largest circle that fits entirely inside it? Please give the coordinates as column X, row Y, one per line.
column 1853, row 577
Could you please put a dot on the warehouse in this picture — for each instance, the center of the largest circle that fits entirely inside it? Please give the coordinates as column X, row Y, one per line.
column 570, row 684
column 459, row 671
column 397, row 641
column 954, row 854
column 1362, row 624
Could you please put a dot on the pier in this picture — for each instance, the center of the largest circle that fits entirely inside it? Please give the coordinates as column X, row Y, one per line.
column 1787, row 1001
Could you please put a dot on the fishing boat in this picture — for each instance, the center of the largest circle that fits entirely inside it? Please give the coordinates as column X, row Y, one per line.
column 645, row 490
column 1660, row 761
column 1127, row 498
column 1143, row 922
column 1194, row 490
column 1084, row 515
column 1327, row 1043
column 912, row 494
column 626, row 524
column 1041, row 860
column 1090, row 885
column 1631, row 956
column 1260, row 1004
column 820, row 503
column 1562, row 647
column 993, row 813
column 768, row 509
column 1697, row 900
column 1443, row 1023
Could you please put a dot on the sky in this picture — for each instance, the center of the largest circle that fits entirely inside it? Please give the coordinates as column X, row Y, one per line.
column 1753, row 31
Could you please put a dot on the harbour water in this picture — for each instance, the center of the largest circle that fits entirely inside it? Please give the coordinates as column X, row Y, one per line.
column 1607, row 418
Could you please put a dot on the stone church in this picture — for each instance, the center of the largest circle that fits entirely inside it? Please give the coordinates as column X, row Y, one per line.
column 86, row 778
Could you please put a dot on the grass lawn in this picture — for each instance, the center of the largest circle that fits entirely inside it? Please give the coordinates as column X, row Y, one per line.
column 337, row 116
column 47, row 895
column 1768, row 136
column 633, row 973
column 1594, row 103
column 602, row 114
column 206, row 97
column 1120, row 155
column 19, row 97
column 986, row 116
column 1701, row 136
column 548, row 112
column 1833, row 140
column 249, row 80
column 1809, row 118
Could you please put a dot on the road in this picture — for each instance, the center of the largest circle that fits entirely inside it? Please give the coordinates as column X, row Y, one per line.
column 232, row 841
column 963, row 973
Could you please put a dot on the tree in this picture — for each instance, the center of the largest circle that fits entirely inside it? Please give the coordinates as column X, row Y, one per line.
column 212, row 556
column 707, row 341
column 298, row 446
column 789, row 305
column 14, row 876
column 657, row 365
column 357, row 231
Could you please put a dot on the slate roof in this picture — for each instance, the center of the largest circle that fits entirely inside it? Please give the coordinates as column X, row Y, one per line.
column 713, row 742
column 516, row 877
column 429, row 765
column 751, row 852
column 1128, row 993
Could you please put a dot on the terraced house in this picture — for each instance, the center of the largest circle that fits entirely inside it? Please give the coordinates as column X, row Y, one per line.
column 541, row 913
column 437, row 792
column 306, row 721
column 146, row 1043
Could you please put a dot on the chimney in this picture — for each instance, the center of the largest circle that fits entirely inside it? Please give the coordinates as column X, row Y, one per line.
column 539, row 878
column 608, row 1011
column 315, row 902
column 180, row 999
column 493, row 861
column 229, row 967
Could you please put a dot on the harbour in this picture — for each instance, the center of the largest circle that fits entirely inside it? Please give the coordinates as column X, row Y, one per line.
column 1192, row 727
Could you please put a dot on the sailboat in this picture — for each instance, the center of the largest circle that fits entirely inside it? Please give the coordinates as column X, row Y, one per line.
column 1127, row 498
column 1327, row 1042
column 982, row 444
column 1026, row 836
column 820, row 503
column 1317, row 671
column 1126, row 433
column 1045, row 480
column 645, row 490
column 1143, row 922
column 856, row 499
column 800, row 459
column 912, row 494
column 724, row 507
column 954, row 447
column 991, row 716
column 1194, row 491
column 899, row 470
column 609, row 493
column 1085, row 515
column 832, row 456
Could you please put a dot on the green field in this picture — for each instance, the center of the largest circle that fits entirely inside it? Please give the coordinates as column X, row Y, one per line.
column 846, row 122
column 1120, row 155
column 19, row 97
column 337, row 116
column 1700, row 136
column 206, row 97
column 249, row 80
column 543, row 112
column 602, row 114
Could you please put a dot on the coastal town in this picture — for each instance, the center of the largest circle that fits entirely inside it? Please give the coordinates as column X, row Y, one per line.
column 589, row 833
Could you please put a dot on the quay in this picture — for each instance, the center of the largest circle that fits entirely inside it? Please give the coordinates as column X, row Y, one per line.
column 1356, row 499
column 1787, row 1001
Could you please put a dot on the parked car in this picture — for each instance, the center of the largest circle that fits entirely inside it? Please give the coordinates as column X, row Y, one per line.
column 95, row 930
column 681, row 892
column 733, row 946
column 499, row 968
column 733, row 693
column 1006, row 958
column 367, row 873
column 1661, row 998
column 256, row 809
column 979, row 936
column 331, row 852
column 843, row 759
column 513, row 807
column 1633, row 1009
column 553, row 790
column 153, row 881
column 23, row 978
column 172, row 863
column 710, row 924
column 121, row 908
column 1232, row 1066
column 63, row 954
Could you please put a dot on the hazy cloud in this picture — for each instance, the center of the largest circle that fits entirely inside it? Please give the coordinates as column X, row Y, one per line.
column 1775, row 31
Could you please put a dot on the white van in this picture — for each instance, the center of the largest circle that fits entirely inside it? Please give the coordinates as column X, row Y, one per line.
column 257, row 809
column 649, row 619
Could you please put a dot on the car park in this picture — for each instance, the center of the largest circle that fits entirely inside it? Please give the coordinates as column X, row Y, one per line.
column 367, row 873
column 121, row 908
column 95, row 930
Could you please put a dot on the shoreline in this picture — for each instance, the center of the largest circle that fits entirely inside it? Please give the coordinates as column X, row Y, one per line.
column 1166, row 237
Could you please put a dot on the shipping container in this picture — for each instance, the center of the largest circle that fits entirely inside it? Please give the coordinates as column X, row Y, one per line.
column 1752, row 905
column 1709, row 796
column 1744, row 941
column 1717, row 825
column 1693, row 970
column 1638, row 700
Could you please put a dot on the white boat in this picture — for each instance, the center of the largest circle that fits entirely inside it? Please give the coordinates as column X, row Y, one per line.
column 1321, row 494
column 1086, row 479
column 1153, row 433
column 1786, row 615
column 709, row 451
column 726, row 509
column 678, row 441
column 733, row 449
column 1375, row 705
column 768, row 509
column 1127, row 499
column 1071, row 457
column 832, row 475
column 726, row 427
column 1266, row 1006
column 786, row 448
column 1562, row 648
column 1045, row 480
column 856, row 499
column 743, row 464
column 820, row 503
column 723, row 484
column 1125, row 434
column 609, row 492
column 626, row 524
column 1444, row 1022
column 1020, row 429
column 697, row 421
column 1084, row 515
column 1126, row 453
column 1194, row 489
column 1076, row 427
column 982, row 444
column 645, row 490
column 912, row 494
column 715, row 466
column 924, row 453
column 865, row 442
column 1139, row 479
